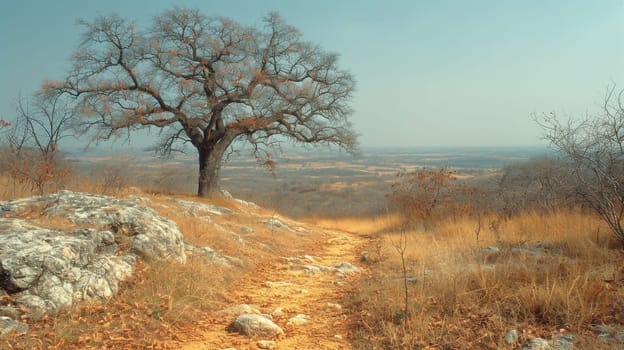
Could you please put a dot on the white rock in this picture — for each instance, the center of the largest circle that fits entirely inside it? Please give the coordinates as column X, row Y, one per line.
column 9, row 325
column 266, row 344
column 194, row 207
column 347, row 268
column 298, row 320
column 48, row 269
column 511, row 337
column 334, row 306
column 276, row 223
column 278, row 312
column 255, row 325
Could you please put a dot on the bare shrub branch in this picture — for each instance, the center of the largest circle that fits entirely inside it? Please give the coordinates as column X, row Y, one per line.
column 594, row 149
column 34, row 138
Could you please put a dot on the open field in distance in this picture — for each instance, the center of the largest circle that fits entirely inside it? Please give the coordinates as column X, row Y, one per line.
column 313, row 182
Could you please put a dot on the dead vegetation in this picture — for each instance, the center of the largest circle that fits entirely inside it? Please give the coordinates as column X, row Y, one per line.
column 161, row 304
column 471, row 275
column 538, row 274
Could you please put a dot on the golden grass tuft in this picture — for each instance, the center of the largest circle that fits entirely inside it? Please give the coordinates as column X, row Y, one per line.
column 11, row 188
column 360, row 225
column 159, row 302
column 462, row 296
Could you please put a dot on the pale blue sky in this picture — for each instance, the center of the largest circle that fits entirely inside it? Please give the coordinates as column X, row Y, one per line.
column 429, row 73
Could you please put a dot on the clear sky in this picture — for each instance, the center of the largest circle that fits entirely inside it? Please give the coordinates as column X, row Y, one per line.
column 429, row 73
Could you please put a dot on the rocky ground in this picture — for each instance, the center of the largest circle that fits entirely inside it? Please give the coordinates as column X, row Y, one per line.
column 66, row 249
column 63, row 250
column 292, row 303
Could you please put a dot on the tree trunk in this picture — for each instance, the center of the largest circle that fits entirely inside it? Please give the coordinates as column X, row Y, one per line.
column 209, row 170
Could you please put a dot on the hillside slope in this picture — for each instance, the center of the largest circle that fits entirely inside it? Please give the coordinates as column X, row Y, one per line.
column 240, row 260
column 302, row 293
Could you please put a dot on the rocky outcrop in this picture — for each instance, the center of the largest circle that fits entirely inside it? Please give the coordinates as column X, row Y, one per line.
column 46, row 269
column 275, row 223
column 306, row 264
column 148, row 234
column 195, row 208
column 212, row 256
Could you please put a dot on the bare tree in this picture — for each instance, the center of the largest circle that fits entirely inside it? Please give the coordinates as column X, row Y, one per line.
column 209, row 81
column 34, row 136
column 41, row 123
column 417, row 194
column 594, row 147
column 540, row 184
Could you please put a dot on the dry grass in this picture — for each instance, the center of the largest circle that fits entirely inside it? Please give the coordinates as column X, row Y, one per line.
column 461, row 296
column 360, row 225
column 164, row 300
column 11, row 188
column 159, row 302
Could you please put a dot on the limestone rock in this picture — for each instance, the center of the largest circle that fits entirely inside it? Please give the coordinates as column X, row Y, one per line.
column 274, row 223
column 36, row 306
column 251, row 205
column 537, row 344
column 147, row 233
column 609, row 334
column 212, row 255
column 511, row 337
column 9, row 311
column 194, row 207
column 334, row 306
column 226, row 194
column 563, row 342
column 9, row 325
column 49, row 269
column 255, row 325
column 46, row 269
column 298, row 320
column 558, row 342
column 266, row 344
column 347, row 268
column 278, row 312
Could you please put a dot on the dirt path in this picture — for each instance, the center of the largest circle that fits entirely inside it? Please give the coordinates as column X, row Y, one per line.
column 307, row 285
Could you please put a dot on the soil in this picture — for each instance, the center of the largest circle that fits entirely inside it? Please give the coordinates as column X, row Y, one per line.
column 280, row 284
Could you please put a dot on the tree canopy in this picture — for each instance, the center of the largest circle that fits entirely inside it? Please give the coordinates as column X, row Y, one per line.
column 209, row 81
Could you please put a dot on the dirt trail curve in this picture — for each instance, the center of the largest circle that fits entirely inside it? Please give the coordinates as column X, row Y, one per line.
column 308, row 285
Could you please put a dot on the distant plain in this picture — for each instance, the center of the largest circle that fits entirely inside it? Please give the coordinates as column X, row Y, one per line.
column 313, row 182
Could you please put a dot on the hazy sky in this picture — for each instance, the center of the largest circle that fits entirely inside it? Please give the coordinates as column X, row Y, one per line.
column 429, row 73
